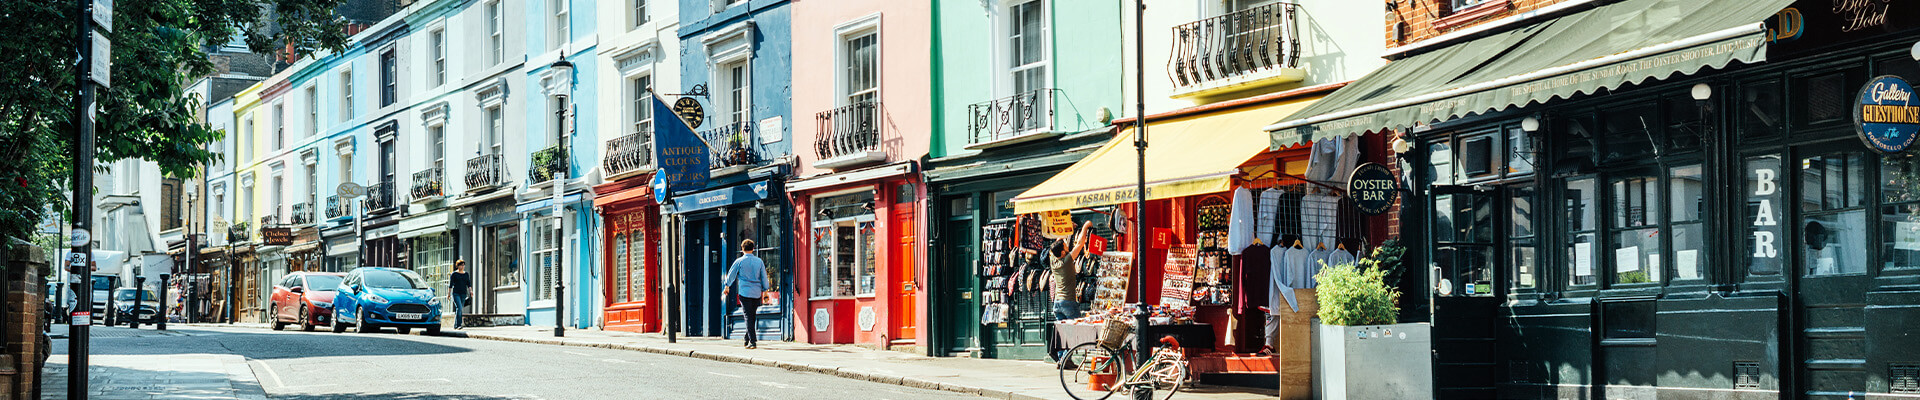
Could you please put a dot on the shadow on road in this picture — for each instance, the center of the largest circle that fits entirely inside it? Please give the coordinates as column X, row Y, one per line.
column 270, row 345
column 423, row 396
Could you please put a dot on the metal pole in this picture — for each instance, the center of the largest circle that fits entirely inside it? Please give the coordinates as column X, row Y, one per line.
column 139, row 299
column 673, row 273
column 160, row 323
column 559, row 224
column 1145, row 392
column 82, row 192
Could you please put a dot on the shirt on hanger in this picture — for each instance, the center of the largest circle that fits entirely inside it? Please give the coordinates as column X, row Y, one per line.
column 1240, row 222
column 1314, row 258
column 1322, row 159
column 1266, row 214
column 1278, row 290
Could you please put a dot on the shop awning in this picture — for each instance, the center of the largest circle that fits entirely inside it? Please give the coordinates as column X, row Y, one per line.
column 1602, row 48
column 1185, row 156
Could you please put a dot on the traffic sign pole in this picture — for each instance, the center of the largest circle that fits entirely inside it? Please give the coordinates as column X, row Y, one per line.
column 82, row 189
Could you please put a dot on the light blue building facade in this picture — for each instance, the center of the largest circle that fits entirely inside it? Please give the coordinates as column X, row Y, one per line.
column 564, row 144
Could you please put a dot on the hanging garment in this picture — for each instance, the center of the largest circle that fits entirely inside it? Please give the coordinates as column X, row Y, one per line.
column 1318, row 216
column 1296, row 263
column 1279, row 292
column 1253, row 266
column 1266, row 213
column 1347, row 159
column 1315, row 259
column 1322, row 159
column 1340, row 257
column 1240, row 222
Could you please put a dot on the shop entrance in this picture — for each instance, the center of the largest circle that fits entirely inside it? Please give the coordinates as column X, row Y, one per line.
column 706, row 265
column 959, row 313
column 1469, row 227
column 1832, row 269
column 901, row 310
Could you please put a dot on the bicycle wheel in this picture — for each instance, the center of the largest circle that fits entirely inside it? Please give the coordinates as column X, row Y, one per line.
column 1166, row 376
column 1093, row 372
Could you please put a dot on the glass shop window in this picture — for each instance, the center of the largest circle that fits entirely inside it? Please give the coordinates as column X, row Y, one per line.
column 1629, row 131
column 1759, row 110
column 1765, row 213
column 1519, row 151
column 1582, row 204
column 1634, row 228
column 1822, row 99
column 1833, row 199
column 1522, row 241
column 1900, row 211
column 1686, row 219
column 1440, row 160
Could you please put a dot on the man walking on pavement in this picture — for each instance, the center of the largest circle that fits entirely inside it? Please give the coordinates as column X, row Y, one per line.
column 459, row 284
column 749, row 274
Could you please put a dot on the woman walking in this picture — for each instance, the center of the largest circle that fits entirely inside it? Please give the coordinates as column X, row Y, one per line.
column 459, row 284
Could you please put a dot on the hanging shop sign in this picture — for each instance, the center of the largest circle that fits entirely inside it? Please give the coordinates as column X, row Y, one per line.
column 1056, row 224
column 1373, row 188
column 689, row 110
column 681, row 155
column 1885, row 115
column 276, row 236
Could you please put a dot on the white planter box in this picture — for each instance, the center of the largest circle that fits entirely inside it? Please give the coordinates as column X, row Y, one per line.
column 1373, row 361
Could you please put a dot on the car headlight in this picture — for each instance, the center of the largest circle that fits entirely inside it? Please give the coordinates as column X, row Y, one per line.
column 434, row 301
column 377, row 299
column 323, row 305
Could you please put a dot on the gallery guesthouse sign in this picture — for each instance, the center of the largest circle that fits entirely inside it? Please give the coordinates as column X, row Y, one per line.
column 1373, row 188
column 1885, row 115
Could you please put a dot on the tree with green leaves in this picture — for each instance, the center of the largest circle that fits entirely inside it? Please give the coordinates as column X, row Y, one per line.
column 159, row 49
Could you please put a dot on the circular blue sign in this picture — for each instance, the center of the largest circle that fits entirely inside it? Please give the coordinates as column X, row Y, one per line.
column 1885, row 115
column 660, row 187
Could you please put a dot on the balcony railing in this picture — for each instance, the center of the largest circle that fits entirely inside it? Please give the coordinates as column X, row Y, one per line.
column 547, row 164
column 1242, row 43
column 629, row 153
column 849, row 130
column 337, row 207
column 427, row 184
column 1012, row 116
column 270, row 221
column 302, row 213
column 379, row 197
column 731, row 145
column 237, row 233
column 486, row 172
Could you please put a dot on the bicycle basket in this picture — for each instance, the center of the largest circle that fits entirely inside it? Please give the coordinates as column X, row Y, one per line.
column 1114, row 334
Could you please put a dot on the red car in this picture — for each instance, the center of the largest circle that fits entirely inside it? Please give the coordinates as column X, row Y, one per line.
column 304, row 298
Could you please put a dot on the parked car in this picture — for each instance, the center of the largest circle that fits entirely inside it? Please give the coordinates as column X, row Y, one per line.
column 305, row 299
column 126, row 310
column 373, row 297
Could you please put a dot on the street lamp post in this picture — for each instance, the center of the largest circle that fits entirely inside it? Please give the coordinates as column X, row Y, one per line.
column 1145, row 392
column 562, row 69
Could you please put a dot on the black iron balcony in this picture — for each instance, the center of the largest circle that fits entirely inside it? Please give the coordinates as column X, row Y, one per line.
column 1245, row 43
column 302, row 213
column 629, row 153
column 427, row 184
column 379, row 197
column 1012, row 116
column 270, row 221
column 547, row 164
column 337, row 207
column 237, row 233
column 486, row 172
column 851, row 131
column 731, row 145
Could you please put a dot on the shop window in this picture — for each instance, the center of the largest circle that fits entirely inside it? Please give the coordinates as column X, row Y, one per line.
column 1685, row 122
column 503, row 256
column 1834, row 227
column 1582, row 204
column 1901, row 65
column 1440, row 157
column 546, row 257
column 844, row 245
column 1519, row 151
column 1900, row 212
column 1633, row 229
column 1521, row 238
column 1574, row 135
column 433, row 258
column 1759, row 110
column 759, row 224
column 1766, row 234
column 636, row 261
column 620, row 267
column 1476, row 156
column 1822, row 99
column 863, row 273
column 1628, row 133
column 1686, row 218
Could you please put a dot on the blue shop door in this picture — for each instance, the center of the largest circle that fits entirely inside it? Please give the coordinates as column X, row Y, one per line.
column 705, row 313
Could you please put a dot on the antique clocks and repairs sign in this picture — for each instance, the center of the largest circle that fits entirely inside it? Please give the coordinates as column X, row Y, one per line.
column 1372, row 188
column 1884, row 114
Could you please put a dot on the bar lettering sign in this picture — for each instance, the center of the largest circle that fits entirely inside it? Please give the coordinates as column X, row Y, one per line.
column 1373, row 188
column 1884, row 114
column 1763, row 189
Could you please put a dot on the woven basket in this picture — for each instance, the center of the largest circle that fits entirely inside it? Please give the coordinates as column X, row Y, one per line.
column 1114, row 334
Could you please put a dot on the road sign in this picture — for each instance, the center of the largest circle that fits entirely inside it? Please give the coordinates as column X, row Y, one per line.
column 76, row 259
column 101, row 71
column 103, row 14
column 351, row 190
column 82, row 318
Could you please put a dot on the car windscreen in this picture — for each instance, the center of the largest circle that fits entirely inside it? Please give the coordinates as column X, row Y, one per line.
column 394, row 280
column 103, row 283
column 127, row 295
column 322, row 282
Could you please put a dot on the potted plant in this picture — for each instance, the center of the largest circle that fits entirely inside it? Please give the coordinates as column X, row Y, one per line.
column 1360, row 351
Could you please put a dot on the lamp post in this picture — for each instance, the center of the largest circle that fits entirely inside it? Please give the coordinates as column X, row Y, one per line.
column 562, row 70
column 1140, row 343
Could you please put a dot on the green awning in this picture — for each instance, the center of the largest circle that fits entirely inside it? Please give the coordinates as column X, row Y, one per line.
column 1602, row 48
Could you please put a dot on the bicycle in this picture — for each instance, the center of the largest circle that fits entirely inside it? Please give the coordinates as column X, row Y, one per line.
column 1091, row 371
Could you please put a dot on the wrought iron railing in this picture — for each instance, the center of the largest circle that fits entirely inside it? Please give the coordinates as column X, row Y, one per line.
column 1241, row 43
column 547, row 164
column 337, row 207
column 486, row 171
column 237, row 233
column 379, row 197
column 1012, row 116
column 270, row 221
column 847, row 130
column 427, row 184
column 302, row 213
column 731, row 145
column 629, row 153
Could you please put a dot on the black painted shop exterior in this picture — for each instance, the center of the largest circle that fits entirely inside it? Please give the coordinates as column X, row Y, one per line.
column 1788, row 267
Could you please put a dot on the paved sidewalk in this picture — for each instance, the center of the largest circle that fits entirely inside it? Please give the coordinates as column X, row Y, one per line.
column 175, row 376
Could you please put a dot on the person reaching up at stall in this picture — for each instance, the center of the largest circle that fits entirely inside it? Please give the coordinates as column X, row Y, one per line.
column 1063, row 266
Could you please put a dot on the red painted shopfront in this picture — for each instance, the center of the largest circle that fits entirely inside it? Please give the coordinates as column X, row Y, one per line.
column 630, row 255
column 859, row 279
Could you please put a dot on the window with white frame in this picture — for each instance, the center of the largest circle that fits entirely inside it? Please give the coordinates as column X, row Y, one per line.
column 546, row 256
column 640, row 108
column 279, row 196
column 346, row 95
column 313, row 187
column 639, row 16
column 438, row 51
column 1026, row 43
column 437, row 146
column 738, row 85
column 313, row 110
column 560, row 26
column 496, row 33
column 346, row 165
column 279, row 126
column 861, row 55
column 240, row 145
column 1462, row 4
column 389, row 77
column 496, row 126
column 559, row 113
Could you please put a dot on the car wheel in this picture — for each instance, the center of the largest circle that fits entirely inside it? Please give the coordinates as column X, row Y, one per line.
column 274, row 311
column 432, row 331
column 403, row 330
column 338, row 326
column 306, row 321
column 361, row 325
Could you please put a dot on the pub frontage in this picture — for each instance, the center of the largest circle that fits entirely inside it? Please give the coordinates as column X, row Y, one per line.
column 1715, row 200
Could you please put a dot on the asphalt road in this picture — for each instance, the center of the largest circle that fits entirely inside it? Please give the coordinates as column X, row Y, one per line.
column 320, row 365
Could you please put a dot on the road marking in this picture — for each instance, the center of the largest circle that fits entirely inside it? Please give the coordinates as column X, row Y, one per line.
column 421, row 380
column 270, row 374
column 616, row 361
column 780, row 385
column 577, row 354
column 725, row 375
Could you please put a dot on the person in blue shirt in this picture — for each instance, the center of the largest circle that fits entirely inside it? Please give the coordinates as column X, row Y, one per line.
column 748, row 274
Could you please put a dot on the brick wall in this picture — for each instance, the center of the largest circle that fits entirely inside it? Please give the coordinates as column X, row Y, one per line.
column 20, row 320
column 1425, row 19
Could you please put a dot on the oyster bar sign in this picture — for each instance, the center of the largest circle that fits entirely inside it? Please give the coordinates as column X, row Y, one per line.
column 1884, row 114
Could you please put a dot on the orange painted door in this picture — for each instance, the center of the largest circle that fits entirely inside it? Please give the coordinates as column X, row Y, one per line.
column 904, row 316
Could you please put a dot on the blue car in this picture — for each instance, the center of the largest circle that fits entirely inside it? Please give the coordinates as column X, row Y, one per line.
column 374, row 297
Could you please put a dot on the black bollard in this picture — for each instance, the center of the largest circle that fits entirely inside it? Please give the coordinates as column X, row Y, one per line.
column 162, row 323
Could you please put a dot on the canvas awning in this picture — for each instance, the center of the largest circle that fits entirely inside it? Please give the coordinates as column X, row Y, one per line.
column 1603, row 48
column 1185, row 156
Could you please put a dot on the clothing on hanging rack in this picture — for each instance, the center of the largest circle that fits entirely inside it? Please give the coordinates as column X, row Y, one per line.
column 1266, row 216
column 1240, row 222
